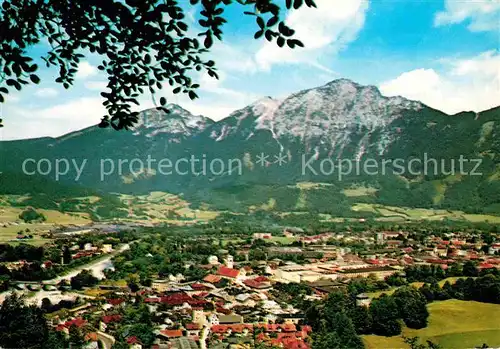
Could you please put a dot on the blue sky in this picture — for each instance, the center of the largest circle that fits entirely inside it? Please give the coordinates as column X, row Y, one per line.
column 444, row 53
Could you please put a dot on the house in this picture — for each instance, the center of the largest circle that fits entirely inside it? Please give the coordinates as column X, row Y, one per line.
column 160, row 285
column 183, row 343
column 362, row 300
column 92, row 341
column 193, row 329
column 260, row 283
column 230, row 319
column 170, row 334
column 111, row 318
column 116, row 301
column 77, row 322
column 379, row 271
column 213, row 279
column 134, row 342
column 107, row 248
column 262, row 236
column 228, row 272
column 293, row 318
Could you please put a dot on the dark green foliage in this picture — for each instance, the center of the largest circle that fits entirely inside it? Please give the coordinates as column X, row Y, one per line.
column 83, row 279
column 31, row 215
column 142, row 43
column 385, row 316
column 412, row 307
column 361, row 319
column 332, row 324
column 22, row 326
column 482, row 289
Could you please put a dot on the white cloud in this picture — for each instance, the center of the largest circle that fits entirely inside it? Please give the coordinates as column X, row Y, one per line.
column 234, row 58
column 54, row 121
column 327, row 28
column 215, row 86
column 483, row 15
column 96, row 85
column 46, row 92
column 85, row 70
column 463, row 84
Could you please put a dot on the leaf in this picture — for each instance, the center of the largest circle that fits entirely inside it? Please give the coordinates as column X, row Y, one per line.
column 34, row 79
column 281, row 41
column 260, row 22
column 208, row 41
column 272, row 21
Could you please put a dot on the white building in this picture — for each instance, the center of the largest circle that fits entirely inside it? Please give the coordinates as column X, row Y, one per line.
column 229, row 261
column 213, row 260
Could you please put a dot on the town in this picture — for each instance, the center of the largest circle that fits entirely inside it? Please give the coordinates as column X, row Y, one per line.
column 208, row 287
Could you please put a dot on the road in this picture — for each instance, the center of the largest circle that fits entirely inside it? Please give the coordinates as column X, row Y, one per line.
column 97, row 268
column 203, row 338
column 106, row 340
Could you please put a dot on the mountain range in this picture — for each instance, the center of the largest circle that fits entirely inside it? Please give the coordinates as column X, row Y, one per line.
column 282, row 147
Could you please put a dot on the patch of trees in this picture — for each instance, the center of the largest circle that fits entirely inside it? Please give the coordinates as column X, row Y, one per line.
column 369, row 284
column 338, row 321
column 9, row 253
column 29, row 215
column 430, row 273
column 481, row 289
column 332, row 325
column 83, row 279
column 23, row 326
column 48, row 307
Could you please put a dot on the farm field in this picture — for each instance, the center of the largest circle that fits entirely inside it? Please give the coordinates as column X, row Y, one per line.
column 453, row 324
column 389, row 213
column 10, row 224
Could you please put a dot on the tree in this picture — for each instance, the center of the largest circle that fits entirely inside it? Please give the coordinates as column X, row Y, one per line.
column 327, row 341
column 412, row 307
column 22, row 326
column 66, row 255
column 470, row 269
column 143, row 43
column 83, row 279
column 76, row 336
column 46, row 305
column 385, row 316
column 361, row 319
column 30, row 215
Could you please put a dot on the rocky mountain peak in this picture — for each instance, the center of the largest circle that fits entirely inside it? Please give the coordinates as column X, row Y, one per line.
column 331, row 114
column 178, row 121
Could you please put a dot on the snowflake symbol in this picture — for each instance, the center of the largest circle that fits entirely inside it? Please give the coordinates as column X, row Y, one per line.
column 262, row 159
column 280, row 159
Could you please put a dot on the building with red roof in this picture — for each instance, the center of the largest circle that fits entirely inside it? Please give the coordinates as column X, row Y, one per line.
column 111, row 318
column 133, row 340
column 171, row 333
column 228, row 272
column 78, row 322
column 213, row 279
